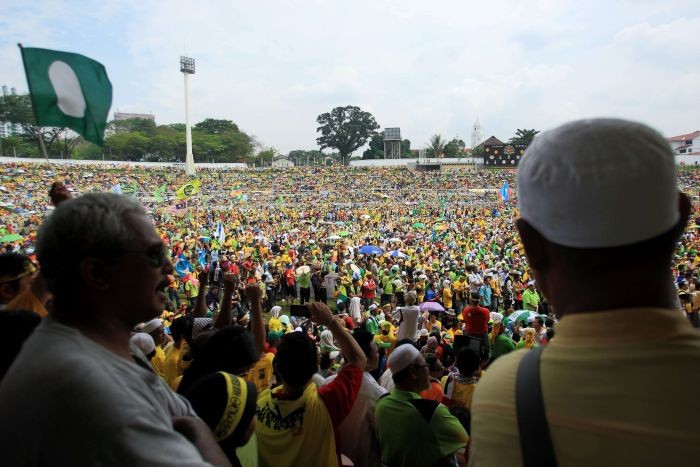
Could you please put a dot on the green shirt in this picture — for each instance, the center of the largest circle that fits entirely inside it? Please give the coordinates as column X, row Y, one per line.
column 388, row 284
column 399, row 421
column 530, row 300
column 502, row 346
column 304, row 281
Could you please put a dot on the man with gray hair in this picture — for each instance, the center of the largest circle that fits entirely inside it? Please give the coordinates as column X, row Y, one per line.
column 101, row 403
column 611, row 387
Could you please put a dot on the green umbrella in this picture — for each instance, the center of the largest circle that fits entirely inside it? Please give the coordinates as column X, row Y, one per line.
column 343, row 233
column 418, row 225
column 10, row 238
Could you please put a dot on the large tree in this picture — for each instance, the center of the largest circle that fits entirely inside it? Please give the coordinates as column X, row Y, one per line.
column 523, row 136
column 345, row 129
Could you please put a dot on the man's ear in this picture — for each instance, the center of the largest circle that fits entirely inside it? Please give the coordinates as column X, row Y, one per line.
column 535, row 245
column 95, row 273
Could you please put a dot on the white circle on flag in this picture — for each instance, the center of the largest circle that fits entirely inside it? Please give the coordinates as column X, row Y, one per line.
column 67, row 88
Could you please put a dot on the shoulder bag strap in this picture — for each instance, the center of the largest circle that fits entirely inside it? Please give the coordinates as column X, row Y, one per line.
column 535, row 440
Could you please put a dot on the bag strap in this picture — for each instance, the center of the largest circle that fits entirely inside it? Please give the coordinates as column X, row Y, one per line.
column 535, row 440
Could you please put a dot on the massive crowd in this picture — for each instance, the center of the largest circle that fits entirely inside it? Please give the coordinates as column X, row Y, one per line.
column 309, row 316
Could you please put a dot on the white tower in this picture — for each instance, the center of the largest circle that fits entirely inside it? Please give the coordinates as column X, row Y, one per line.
column 187, row 69
column 476, row 134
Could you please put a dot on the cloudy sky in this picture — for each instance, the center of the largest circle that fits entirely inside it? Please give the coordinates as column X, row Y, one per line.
column 427, row 67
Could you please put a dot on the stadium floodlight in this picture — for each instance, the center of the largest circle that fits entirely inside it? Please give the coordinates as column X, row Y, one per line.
column 187, row 69
column 187, row 65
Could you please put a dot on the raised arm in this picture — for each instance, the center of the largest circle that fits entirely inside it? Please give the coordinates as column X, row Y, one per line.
column 254, row 296
column 225, row 311
column 200, row 309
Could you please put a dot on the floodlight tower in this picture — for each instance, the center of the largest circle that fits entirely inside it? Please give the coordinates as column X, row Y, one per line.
column 187, row 69
column 392, row 143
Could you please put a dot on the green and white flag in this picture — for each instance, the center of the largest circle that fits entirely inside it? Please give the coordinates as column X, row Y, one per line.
column 68, row 90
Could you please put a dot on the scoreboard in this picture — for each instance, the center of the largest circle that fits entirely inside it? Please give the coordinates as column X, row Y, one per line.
column 503, row 155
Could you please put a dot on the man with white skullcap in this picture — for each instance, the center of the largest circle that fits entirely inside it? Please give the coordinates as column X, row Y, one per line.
column 413, row 431
column 607, row 390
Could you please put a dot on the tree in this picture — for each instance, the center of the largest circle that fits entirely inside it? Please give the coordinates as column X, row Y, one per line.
column 376, row 147
column 213, row 126
column 436, row 146
column 18, row 109
column 345, row 129
column 406, row 149
column 454, row 148
column 142, row 125
column 523, row 136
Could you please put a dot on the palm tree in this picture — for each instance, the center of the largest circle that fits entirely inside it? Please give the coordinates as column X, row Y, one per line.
column 523, row 136
column 436, row 146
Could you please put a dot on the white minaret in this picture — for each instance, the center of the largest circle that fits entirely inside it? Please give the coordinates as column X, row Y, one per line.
column 476, row 133
column 187, row 69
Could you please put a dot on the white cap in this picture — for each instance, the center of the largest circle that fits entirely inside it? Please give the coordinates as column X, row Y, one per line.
column 144, row 342
column 402, row 356
column 578, row 183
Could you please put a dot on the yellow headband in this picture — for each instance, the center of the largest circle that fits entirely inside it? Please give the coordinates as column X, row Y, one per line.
column 237, row 391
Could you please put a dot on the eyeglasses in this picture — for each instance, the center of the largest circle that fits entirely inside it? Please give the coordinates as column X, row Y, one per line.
column 156, row 255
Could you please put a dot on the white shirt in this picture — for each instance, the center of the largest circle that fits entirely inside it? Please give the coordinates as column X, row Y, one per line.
column 65, row 399
column 357, row 432
column 386, row 381
column 409, row 323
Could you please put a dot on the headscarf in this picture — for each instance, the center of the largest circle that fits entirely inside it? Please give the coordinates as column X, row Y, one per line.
column 430, row 346
column 286, row 323
column 275, row 311
column 327, row 344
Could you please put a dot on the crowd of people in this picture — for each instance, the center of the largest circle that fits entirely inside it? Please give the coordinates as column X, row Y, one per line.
column 339, row 316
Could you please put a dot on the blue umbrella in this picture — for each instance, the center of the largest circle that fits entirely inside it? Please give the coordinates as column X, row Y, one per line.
column 370, row 250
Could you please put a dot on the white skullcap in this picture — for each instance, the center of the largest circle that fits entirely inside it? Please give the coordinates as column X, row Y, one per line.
column 150, row 326
column 401, row 357
column 144, row 342
column 578, row 184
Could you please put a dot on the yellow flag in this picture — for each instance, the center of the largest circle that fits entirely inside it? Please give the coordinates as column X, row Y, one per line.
column 188, row 189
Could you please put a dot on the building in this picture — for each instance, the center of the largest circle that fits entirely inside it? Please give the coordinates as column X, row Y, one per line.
column 688, row 144
column 127, row 116
column 7, row 128
column 282, row 162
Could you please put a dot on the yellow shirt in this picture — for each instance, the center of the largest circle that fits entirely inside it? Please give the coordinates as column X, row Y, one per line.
column 158, row 362
column 294, row 432
column 274, row 324
column 447, row 298
column 618, row 388
column 171, row 364
column 261, row 373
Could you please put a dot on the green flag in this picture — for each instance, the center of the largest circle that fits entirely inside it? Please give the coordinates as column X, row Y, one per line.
column 68, row 90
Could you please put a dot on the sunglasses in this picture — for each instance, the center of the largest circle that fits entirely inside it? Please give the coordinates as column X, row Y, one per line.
column 156, row 255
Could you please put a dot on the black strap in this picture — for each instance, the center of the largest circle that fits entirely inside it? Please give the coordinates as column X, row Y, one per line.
column 535, row 441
